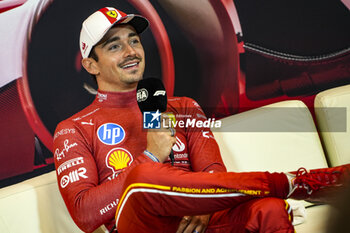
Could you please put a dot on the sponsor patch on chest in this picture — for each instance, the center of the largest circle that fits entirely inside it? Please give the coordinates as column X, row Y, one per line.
column 117, row 159
column 111, row 133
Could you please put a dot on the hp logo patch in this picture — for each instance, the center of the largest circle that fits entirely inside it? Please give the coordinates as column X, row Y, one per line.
column 110, row 133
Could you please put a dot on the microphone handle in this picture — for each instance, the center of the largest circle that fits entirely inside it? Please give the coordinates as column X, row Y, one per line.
column 171, row 156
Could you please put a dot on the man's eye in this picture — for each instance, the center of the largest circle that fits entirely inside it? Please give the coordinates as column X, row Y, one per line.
column 113, row 47
column 135, row 41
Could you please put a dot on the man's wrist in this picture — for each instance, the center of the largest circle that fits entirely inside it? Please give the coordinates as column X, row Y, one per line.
column 151, row 156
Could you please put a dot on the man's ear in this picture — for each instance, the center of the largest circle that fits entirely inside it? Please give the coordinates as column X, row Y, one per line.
column 90, row 65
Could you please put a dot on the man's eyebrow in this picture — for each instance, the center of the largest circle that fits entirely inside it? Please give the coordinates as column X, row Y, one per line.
column 110, row 40
column 115, row 38
column 131, row 34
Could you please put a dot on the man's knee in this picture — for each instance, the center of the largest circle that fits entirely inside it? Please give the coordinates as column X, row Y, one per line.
column 272, row 206
column 270, row 215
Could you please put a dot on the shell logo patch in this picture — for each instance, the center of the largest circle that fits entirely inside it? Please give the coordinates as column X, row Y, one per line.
column 112, row 14
column 118, row 159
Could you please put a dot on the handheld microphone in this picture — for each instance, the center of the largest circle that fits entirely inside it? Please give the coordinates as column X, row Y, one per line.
column 151, row 96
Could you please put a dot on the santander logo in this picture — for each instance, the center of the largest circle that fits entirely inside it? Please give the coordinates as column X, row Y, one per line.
column 179, row 145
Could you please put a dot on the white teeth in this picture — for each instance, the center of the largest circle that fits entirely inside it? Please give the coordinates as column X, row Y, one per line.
column 130, row 65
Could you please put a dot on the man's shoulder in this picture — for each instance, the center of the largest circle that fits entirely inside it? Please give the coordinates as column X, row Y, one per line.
column 182, row 101
column 85, row 114
column 184, row 106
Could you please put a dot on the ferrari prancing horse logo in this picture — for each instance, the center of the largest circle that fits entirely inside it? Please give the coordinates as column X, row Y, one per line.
column 112, row 13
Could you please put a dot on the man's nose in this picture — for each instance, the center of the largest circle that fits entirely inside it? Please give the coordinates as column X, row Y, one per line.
column 129, row 51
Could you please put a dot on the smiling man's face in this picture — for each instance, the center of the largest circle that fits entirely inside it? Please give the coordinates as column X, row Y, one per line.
column 121, row 59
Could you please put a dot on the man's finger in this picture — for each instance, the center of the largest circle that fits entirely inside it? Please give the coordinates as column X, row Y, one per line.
column 198, row 224
column 191, row 226
column 172, row 132
column 199, row 229
column 183, row 224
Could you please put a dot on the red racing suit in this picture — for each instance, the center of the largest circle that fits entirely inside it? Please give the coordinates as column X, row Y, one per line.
column 95, row 149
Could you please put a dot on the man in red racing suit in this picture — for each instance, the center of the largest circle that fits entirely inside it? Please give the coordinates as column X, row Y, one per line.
column 110, row 170
column 97, row 148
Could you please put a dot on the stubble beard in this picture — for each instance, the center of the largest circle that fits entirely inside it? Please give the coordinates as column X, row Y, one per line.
column 135, row 78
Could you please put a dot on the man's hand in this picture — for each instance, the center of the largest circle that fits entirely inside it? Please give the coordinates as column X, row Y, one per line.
column 160, row 141
column 193, row 224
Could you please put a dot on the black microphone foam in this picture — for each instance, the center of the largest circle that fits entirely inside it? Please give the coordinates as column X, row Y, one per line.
column 151, row 95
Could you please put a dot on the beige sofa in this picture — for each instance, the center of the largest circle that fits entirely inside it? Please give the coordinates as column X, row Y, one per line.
column 279, row 137
column 35, row 206
column 332, row 108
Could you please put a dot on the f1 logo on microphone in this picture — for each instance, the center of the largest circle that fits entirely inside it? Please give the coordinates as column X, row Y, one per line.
column 159, row 92
column 151, row 120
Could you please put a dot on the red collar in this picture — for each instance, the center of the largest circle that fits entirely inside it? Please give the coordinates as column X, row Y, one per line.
column 116, row 99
